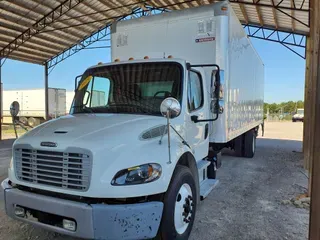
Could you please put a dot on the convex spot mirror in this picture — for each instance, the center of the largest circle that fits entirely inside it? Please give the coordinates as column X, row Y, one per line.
column 170, row 106
column 14, row 108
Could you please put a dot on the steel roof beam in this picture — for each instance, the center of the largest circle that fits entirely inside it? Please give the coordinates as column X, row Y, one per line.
column 41, row 24
column 42, row 39
column 293, row 22
column 6, row 15
column 27, row 49
column 275, row 18
column 287, row 40
column 278, row 6
column 258, row 12
column 244, row 12
column 73, row 32
column 270, row 27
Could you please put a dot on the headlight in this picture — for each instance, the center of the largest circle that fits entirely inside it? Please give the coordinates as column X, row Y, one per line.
column 137, row 175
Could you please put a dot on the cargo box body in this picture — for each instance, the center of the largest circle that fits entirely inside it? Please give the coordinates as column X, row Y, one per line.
column 204, row 35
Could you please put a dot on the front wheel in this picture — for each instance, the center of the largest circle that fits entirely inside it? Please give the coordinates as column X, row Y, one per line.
column 180, row 204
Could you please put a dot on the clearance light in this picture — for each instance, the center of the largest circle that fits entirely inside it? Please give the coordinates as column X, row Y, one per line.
column 224, row 8
column 100, row 63
column 117, row 60
column 170, row 56
column 131, row 58
column 146, row 57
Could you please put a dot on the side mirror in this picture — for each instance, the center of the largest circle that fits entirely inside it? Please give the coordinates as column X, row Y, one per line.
column 14, row 108
column 170, row 106
column 86, row 98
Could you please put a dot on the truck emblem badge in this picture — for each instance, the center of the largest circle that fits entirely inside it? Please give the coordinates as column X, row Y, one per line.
column 48, row 144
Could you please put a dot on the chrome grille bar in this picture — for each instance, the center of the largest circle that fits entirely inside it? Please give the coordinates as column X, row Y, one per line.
column 68, row 170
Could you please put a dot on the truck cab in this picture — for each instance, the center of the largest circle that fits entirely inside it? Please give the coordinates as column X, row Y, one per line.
column 119, row 152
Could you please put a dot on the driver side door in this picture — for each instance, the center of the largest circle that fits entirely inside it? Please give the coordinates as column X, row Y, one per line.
column 197, row 133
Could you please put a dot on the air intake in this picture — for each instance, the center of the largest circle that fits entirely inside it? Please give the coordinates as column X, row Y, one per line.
column 154, row 132
column 60, row 132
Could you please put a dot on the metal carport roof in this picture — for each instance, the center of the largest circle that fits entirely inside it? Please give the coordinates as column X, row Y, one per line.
column 40, row 31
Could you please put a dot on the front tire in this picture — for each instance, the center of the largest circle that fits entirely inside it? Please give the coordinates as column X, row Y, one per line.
column 180, row 203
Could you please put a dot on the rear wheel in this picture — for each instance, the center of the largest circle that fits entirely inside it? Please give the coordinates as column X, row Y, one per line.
column 239, row 145
column 179, row 206
column 33, row 121
column 24, row 120
column 249, row 144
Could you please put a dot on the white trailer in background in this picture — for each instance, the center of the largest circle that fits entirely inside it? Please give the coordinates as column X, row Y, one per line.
column 69, row 100
column 115, row 168
column 32, row 104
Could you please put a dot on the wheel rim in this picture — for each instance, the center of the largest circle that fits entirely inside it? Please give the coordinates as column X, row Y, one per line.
column 183, row 208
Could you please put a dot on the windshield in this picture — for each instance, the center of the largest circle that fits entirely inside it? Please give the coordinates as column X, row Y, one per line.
column 137, row 88
column 300, row 111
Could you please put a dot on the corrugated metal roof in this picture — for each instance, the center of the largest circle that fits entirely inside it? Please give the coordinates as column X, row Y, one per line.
column 38, row 30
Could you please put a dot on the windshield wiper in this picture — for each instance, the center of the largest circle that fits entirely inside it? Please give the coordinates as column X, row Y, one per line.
column 84, row 107
column 143, row 108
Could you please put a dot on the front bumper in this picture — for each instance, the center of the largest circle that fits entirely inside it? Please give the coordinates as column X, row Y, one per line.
column 94, row 221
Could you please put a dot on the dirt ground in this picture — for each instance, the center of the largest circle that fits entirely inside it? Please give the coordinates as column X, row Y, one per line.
column 248, row 203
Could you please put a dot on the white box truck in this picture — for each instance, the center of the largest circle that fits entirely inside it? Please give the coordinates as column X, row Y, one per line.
column 136, row 163
column 32, row 104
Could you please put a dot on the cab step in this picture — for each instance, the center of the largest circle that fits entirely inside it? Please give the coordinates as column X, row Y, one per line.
column 207, row 186
column 202, row 170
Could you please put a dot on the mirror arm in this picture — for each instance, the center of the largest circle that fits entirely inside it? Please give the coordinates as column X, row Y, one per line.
column 168, row 127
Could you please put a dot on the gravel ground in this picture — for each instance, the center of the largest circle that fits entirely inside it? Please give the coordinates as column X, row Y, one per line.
column 248, row 202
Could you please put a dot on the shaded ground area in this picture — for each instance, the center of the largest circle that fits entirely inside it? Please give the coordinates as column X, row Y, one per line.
column 247, row 204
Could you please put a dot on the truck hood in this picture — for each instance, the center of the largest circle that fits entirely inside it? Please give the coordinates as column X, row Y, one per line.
column 91, row 131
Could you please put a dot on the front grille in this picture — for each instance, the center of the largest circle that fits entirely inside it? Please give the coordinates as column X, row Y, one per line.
column 58, row 169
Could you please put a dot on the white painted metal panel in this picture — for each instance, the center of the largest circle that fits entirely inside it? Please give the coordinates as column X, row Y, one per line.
column 178, row 34
column 32, row 102
column 245, row 83
column 69, row 100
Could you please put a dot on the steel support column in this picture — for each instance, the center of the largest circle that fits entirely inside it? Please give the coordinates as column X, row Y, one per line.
column 46, row 91
column 1, row 98
column 314, row 111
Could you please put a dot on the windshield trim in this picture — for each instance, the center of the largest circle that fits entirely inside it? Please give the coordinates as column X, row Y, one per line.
column 181, row 67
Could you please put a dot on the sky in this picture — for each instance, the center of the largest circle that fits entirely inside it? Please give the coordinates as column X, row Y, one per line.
column 284, row 71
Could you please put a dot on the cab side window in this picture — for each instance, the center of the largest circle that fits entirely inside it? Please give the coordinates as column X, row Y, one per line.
column 195, row 91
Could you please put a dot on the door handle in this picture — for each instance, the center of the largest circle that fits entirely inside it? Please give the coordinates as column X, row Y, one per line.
column 194, row 118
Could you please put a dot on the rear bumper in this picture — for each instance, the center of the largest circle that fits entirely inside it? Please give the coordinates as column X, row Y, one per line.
column 94, row 221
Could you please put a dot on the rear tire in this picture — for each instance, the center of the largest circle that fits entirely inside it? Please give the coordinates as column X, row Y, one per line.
column 249, row 144
column 33, row 122
column 24, row 120
column 180, row 202
column 239, row 145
